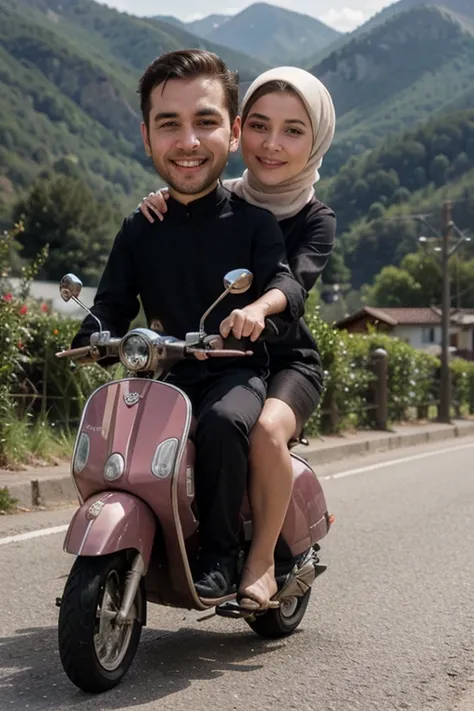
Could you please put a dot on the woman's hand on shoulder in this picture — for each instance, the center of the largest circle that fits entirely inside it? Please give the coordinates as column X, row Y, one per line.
column 155, row 204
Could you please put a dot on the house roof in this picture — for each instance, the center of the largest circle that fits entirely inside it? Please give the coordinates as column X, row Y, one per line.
column 407, row 316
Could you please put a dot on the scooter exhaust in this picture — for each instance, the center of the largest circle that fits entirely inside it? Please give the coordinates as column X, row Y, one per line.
column 299, row 582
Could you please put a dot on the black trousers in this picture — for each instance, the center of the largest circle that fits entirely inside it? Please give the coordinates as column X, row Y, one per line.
column 226, row 405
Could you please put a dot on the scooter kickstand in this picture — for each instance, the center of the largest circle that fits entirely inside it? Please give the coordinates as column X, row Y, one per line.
column 207, row 616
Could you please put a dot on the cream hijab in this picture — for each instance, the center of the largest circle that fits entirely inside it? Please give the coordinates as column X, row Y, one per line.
column 289, row 197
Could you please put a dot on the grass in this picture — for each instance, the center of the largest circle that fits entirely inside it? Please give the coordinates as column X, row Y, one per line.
column 27, row 442
column 7, row 502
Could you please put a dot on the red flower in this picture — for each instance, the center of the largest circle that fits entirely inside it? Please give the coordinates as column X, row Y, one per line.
column 8, row 297
column 44, row 308
column 23, row 310
column 20, row 345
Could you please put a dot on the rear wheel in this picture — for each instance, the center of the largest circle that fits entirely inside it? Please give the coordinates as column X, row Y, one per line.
column 95, row 651
column 282, row 621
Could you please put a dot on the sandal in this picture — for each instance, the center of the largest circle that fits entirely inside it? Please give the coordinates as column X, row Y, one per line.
column 250, row 603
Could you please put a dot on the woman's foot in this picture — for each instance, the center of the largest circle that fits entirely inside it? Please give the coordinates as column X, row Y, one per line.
column 257, row 587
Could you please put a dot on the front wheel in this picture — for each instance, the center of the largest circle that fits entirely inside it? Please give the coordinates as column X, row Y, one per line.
column 95, row 652
column 281, row 621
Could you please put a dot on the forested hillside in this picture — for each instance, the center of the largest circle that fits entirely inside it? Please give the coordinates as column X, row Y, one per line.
column 406, row 175
column 68, row 91
column 397, row 75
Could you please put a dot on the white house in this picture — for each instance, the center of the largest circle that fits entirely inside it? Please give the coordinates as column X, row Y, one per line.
column 420, row 327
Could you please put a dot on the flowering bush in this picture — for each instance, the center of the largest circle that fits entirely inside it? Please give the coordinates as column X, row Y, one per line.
column 60, row 386
column 14, row 332
column 32, row 380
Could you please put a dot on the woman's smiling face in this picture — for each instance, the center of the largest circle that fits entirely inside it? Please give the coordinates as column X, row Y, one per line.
column 277, row 137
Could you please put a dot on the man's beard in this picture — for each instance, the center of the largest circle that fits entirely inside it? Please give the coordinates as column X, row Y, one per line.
column 192, row 188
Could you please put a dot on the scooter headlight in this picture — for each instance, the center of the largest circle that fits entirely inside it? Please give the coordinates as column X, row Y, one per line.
column 135, row 352
column 114, row 467
column 82, row 453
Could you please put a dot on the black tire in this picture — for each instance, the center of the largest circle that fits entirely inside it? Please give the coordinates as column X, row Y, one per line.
column 275, row 624
column 83, row 595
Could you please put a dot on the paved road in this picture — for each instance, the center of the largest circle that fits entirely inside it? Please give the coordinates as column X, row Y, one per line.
column 390, row 625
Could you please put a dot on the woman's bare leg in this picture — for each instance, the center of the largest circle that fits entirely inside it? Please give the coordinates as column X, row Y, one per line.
column 270, row 486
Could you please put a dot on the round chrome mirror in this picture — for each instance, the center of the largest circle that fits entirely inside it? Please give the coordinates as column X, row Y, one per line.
column 69, row 286
column 238, row 281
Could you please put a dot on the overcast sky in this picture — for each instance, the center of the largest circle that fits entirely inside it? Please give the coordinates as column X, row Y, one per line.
column 343, row 15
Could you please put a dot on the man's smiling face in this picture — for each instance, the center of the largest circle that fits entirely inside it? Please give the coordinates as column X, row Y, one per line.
column 189, row 135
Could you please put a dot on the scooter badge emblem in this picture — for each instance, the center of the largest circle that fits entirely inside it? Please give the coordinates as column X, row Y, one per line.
column 131, row 398
column 94, row 510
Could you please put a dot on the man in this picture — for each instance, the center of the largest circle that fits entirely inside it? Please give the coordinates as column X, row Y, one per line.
column 189, row 102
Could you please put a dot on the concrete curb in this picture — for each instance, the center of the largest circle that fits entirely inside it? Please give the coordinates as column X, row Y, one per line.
column 44, row 492
column 338, row 451
column 59, row 489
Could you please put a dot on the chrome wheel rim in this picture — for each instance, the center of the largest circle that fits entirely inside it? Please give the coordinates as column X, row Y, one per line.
column 111, row 640
column 288, row 607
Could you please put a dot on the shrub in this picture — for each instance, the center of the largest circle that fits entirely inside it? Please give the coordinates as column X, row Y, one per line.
column 29, row 337
column 41, row 396
column 412, row 377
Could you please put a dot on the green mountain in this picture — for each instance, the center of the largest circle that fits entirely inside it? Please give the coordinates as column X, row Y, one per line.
column 170, row 20
column 206, row 25
column 62, row 110
column 201, row 28
column 463, row 8
column 272, row 34
column 113, row 35
column 408, row 174
column 396, row 76
column 68, row 91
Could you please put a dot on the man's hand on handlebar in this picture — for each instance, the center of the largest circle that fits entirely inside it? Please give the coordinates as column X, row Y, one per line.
column 248, row 322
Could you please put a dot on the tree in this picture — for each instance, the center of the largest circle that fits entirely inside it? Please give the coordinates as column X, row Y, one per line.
column 401, row 195
column 393, row 287
column 460, row 165
column 425, row 269
column 61, row 211
column 376, row 211
column 360, row 191
column 439, row 169
column 419, row 177
column 336, row 271
column 417, row 282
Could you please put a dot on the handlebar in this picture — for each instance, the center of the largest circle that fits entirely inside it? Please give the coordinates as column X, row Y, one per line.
column 174, row 349
column 85, row 350
column 178, row 350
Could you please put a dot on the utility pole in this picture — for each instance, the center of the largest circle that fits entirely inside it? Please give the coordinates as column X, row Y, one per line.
column 446, row 252
column 444, row 412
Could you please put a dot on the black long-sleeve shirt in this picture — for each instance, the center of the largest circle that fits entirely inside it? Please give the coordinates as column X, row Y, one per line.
column 177, row 268
column 309, row 238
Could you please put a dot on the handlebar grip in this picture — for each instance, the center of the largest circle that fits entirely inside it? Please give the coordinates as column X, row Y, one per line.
column 74, row 352
column 245, row 344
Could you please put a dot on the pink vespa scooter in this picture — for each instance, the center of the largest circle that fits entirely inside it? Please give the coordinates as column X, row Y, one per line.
column 135, row 533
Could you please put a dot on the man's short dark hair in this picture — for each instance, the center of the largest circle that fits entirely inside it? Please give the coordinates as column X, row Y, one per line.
column 188, row 64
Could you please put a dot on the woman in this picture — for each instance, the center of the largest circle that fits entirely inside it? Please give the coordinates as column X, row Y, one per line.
column 288, row 124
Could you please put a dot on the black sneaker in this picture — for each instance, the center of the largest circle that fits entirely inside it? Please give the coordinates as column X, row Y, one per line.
column 217, row 579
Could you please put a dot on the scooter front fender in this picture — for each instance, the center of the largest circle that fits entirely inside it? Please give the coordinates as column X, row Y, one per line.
column 109, row 522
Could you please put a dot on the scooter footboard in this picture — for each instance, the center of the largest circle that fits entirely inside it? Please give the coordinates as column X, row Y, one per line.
column 110, row 522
